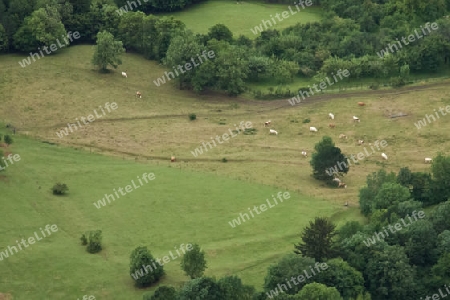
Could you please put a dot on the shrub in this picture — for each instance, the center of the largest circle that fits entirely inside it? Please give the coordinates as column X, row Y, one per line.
column 142, row 257
column 94, row 241
column 192, row 117
column 8, row 140
column 250, row 131
column 83, row 239
column 60, row 189
column 224, row 160
column 193, row 262
column 306, row 121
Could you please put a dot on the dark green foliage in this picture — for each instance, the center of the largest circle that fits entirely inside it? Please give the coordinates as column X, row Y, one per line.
column 389, row 275
column 224, row 160
column 318, row 291
column 220, row 32
column 84, row 240
column 440, row 217
column 162, row 293
column 339, row 274
column 107, row 51
column 349, row 229
column 59, row 189
column 203, row 288
column 192, row 117
column 390, row 194
column 8, row 139
column 327, row 156
column 317, row 240
column 193, row 262
column 141, row 258
column 288, row 266
column 231, row 288
column 421, row 243
column 374, row 182
column 94, row 241
column 306, row 121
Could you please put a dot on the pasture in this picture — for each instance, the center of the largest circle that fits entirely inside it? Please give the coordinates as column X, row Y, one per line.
column 239, row 18
column 193, row 198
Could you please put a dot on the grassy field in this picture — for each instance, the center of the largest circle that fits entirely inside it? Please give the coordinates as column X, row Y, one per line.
column 240, row 18
column 192, row 199
column 179, row 206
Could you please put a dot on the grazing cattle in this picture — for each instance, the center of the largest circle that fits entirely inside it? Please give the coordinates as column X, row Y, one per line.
column 360, row 142
column 124, row 74
column 361, row 103
column 342, row 185
column 428, row 160
column 138, row 94
column 313, row 129
column 384, row 156
column 273, row 132
column 356, row 119
column 172, row 159
column 266, row 123
column 331, row 125
column 304, row 153
column 331, row 116
column 337, row 180
column 342, row 136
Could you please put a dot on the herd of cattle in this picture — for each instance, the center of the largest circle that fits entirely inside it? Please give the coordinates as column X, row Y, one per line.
column 341, row 136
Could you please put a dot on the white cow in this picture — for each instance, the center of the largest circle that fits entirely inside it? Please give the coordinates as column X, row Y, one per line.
column 384, row 156
column 342, row 136
column 360, row 142
column 313, row 129
column 273, row 132
column 124, row 74
column 304, row 153
column 356, row 119
column 337, row 180
column 331, row 116
column 428, row 160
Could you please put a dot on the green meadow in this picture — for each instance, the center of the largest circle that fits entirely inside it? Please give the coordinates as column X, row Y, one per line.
column 242, row 17
column 178, row 206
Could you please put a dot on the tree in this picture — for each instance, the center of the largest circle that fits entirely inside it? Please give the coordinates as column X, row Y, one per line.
column 374, row 182
column 348, row 281
column 193, row 262
column 443, row 242
column 390, row 194
column 232, row 69
column 231, row 288
column 317, row 240
column 348, row 230
column 4, row 43
column 203, row 288
column 43, row 27
column 440, row 169
column 8, row 139
column 182, row 48
column 389, row 275
column 107, row 51
column 327, row 156
column 440, row 217
column 318, row 291
column 220, row 32
column 130, row 30
column 162, row 293
column 94, row 241
column 59, row 189
column 142, row 258
column 404, row 177
column 421, row 243
column 288, row 266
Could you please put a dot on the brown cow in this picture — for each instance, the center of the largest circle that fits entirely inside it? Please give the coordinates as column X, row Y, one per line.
column 172, row 159
column 331, row 125
column 361, row 103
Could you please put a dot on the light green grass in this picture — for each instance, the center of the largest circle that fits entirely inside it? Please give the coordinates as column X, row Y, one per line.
column 239, row 18
column 177, row 207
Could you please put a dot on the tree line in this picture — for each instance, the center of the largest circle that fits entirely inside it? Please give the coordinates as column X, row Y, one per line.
column 349, row 36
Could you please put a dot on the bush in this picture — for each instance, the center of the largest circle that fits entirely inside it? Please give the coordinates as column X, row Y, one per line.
column 306, row 121
column 8, row 140
column 142, row 257
column 60, row 189
column 224, row 160
column 83, row 239
column 192, row 117
column 162, row 293
column 94, row 241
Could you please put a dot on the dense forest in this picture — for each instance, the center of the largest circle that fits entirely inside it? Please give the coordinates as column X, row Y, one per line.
column 363, row 38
